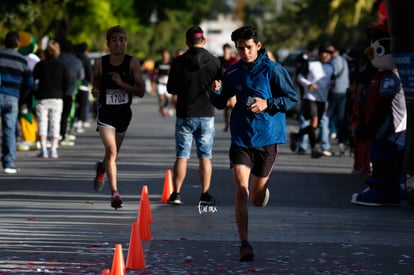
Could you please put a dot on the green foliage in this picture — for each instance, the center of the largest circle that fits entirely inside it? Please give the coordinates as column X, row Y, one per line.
column 93, row 18
column 168, row 20
column 36, row 16
column 170, row 33
column 307, row 23
column 161, row 24
column 16, row 15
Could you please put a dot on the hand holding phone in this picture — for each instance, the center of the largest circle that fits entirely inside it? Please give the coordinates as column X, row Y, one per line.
column 250, row 101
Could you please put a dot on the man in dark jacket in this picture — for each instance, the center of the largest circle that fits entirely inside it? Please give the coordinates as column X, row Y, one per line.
column 190, row 78
column 76, row 73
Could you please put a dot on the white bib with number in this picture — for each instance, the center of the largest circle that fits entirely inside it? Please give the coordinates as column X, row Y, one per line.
column 116, row 97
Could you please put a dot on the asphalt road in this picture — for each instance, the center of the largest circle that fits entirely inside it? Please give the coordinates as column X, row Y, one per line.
column 53, row 222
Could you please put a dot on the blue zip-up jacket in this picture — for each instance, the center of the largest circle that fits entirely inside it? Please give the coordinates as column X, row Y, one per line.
column 265, row 79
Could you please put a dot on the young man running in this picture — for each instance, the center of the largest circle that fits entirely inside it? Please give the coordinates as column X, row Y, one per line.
column 264, row 92
column 117, row 78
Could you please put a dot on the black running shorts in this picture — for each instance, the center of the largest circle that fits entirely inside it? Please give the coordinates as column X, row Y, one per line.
column 260, row 160
column 114, row 117
column 313, row 109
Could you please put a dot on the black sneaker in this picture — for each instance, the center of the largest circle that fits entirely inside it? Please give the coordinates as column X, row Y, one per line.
column 175, row 199
column 207, row 199
column 116, row 201
column 293, row 137
column 246, row 251
column 99, row 180
column 316, row 154
column 301, row 151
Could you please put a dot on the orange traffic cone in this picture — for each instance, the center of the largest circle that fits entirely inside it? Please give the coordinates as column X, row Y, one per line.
column 144, row 222
column 135, row 259
column 144, row 204
column 168, row 186
column 118, row 262
column 106, row 271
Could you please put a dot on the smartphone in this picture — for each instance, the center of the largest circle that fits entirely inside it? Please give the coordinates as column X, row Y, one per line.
column 250, row 101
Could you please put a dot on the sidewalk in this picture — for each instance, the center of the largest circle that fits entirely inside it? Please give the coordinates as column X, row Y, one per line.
column 52, row 221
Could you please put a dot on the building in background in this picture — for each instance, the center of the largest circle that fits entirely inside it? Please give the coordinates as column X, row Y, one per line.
column 218, row 32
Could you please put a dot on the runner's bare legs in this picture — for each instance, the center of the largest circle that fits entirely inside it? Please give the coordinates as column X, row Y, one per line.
column 241, row 175
column 112, row 143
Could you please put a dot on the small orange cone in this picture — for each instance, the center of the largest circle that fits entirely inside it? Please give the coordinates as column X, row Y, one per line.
column 118, row 262
column 106, row 271
column 144, row 204
column 144, row 223
column 168, row 186
column 135, row 259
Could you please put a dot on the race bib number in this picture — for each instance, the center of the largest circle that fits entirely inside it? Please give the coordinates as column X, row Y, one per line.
column 116, row 97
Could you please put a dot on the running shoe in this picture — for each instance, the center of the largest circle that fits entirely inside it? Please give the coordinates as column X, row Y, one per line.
column 246, row 251
column 377, row 197
column 163, row 112
column 10, row 170
column 266, row 197
column 66, row 142
column 116, row 201
column 43, row 154
column 207, row 199
column 316, row 153
column 99, row 180
column 301, row 151
column 327, row 153
column 342, row 149
column 54, row 154
column 175, row 199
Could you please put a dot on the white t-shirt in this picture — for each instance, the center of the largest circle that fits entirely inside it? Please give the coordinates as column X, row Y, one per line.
column 32, row 59
column 320, row 74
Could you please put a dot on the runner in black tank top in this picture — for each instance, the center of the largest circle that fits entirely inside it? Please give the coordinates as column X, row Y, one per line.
column 117, row 77
column 114, row 103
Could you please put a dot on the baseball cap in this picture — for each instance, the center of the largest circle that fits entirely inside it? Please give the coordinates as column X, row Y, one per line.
column 325, row 48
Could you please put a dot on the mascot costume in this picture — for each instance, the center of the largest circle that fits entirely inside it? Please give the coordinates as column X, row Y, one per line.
column 402, row 46
column 384, row 126
column 27, row 119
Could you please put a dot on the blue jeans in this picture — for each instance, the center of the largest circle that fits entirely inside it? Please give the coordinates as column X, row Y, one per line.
column 9, row 108
column 323, row 130
column 336, row 111
column 201, row 129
